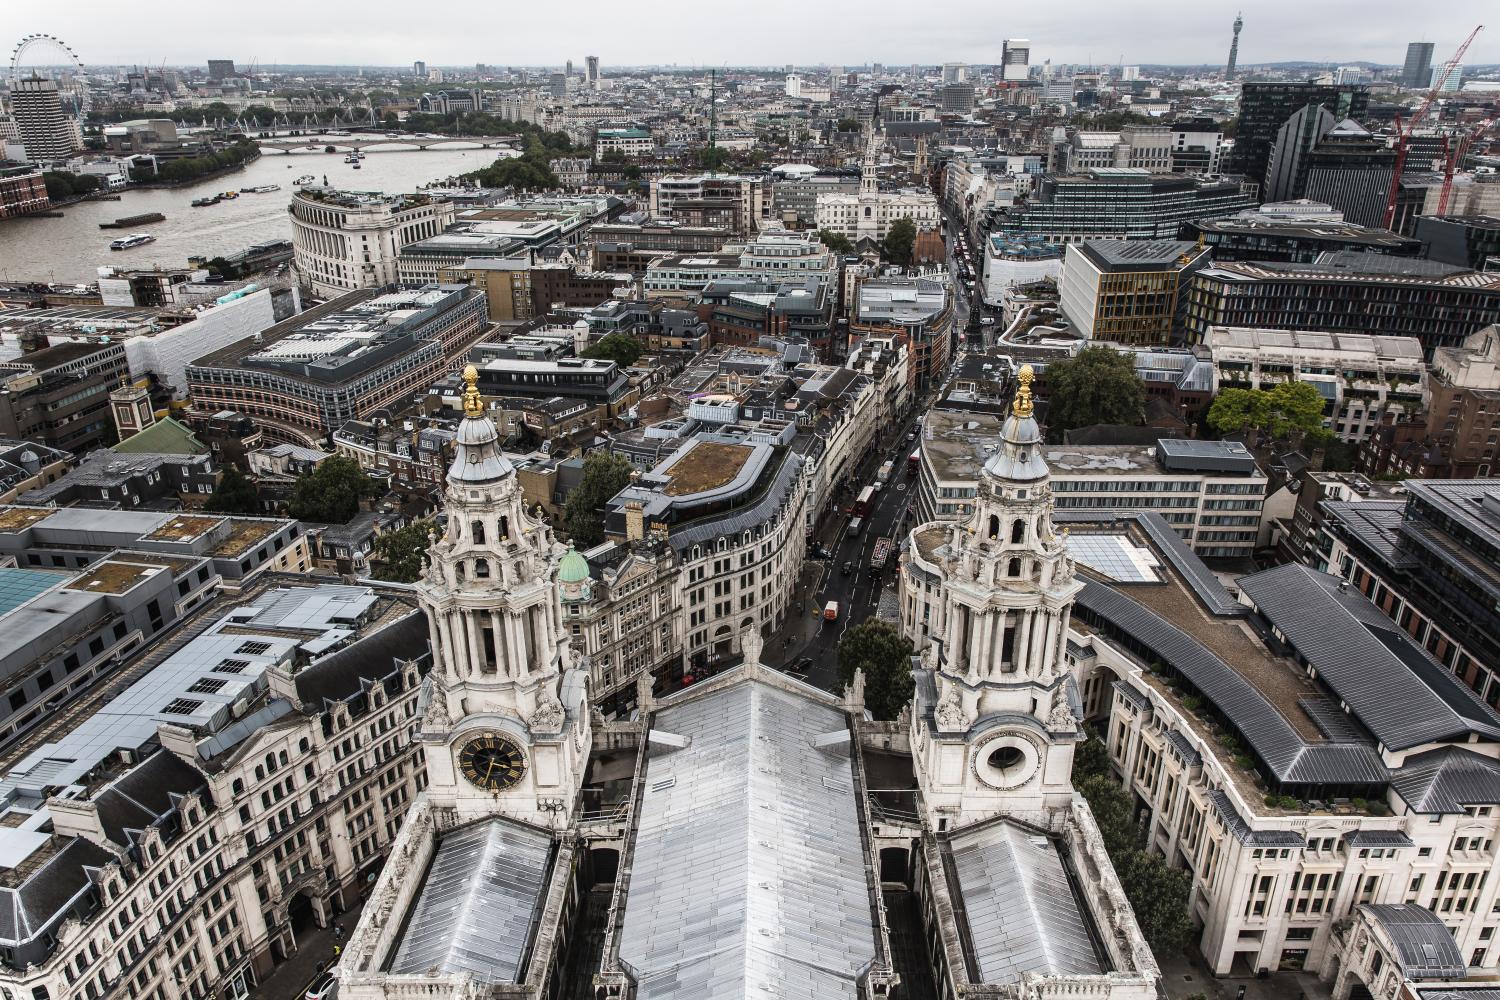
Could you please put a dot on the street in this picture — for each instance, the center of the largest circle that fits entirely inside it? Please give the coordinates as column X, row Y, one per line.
column 808, row 634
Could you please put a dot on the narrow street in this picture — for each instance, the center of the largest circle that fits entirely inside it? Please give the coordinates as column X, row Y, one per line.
column 807, row 644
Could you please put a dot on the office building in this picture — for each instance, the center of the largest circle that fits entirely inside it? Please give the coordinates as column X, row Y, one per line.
column 1147, row 147
column 956, row 98
column 303, row 378
column 419, row 70
column 48, row 131
column 1197, row 147
column 744, row 200
column 1128, row 291
column 627, row 142
column 1347, row 292
column 1265, row 108
column 1366, row 381
column 1296, row 233
column 591, row 72
column 914, row 312
column 1417, row 71
column 1015, row 59
column 22, row 190
column 1013, row 261
column 1463, row 417
column 1351, row 170
column 1471, row 241
column 221, row 69
column 1119, row 203
column 1210, row 492
column 1428, row 563
column 347, row 240
column 954, row 72
column 59, row 395
column 1286, row 170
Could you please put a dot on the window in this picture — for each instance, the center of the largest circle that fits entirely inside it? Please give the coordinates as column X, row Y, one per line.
column 182, row 706
column 232, row 666
column 254, row 648
column 207, row 685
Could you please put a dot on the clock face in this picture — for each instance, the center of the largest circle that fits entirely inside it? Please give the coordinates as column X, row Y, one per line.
column 492, row 761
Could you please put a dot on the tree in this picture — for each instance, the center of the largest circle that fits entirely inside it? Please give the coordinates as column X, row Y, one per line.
column 847, row 125
column 837, row 242
column 880, row 650
column 331, row 493
column 1291, row 411
column 234, row 494
column 713, row 158
column 1098, row 385
column 1295, row 411
column 899, row 241
column 1236, row 411
column 402, row 552
column 1158, row 894
column 621, row 348
column 390, row 120
column 604, row 475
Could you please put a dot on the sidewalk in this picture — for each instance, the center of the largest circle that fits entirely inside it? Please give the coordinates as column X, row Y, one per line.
column 290, row 979
column 1185, row 976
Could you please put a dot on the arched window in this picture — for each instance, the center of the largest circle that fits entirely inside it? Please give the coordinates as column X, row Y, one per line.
column 1017, row 530
column 476, row 529
column 458, row 571
column 994, row 526
column 482, row 569
column 1014, row 569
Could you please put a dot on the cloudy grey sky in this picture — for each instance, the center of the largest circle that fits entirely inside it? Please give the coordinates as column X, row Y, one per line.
column 701, row 32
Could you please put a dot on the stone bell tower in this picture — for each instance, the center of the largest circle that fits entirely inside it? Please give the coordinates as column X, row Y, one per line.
column 507, row 725
column 999, row 738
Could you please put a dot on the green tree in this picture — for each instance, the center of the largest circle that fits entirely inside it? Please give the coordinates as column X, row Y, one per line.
column 837, row 242
column 847, row 125
column 390, row 120
column 618, row 347
column 1290, row 411
column 899, row 241
column 1295, row 411
column 1098, row 385
column 880, row 650
column 604, row 475
column 713, row 158
column 234, row 494
column 331, row 493
column 1158, row 894
column 402, row 552
column 1236, row 411
column 632, row 172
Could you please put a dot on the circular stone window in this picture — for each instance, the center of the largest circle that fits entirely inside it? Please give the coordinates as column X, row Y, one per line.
column 1006, row 761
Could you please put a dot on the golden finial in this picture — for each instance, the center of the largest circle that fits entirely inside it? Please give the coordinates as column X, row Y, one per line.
column 1022, row 406
column 473, row 405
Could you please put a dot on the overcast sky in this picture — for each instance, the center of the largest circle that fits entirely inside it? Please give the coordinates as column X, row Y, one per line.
column 768, row 32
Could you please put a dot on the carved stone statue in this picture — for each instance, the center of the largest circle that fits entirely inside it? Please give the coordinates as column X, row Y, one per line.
column 549, row 715
column 751, row 645
column 951, row 716
column 437, row 718
column 1061, row 717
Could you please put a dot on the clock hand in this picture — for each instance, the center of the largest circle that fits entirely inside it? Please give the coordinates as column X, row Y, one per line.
column 490, row 771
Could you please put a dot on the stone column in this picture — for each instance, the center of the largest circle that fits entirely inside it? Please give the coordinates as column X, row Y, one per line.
column 1021, row 652
column 502, row 658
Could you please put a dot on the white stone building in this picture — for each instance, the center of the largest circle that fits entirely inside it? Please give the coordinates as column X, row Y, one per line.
column 869, row 214
column 346, row 240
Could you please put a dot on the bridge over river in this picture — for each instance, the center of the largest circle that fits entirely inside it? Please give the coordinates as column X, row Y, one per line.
column 315, row 142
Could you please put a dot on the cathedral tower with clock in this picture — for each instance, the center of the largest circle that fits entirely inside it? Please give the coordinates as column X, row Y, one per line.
column 993, row 726
column 507, row 730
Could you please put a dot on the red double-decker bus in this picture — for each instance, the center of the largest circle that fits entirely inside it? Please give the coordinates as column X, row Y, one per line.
column 865, row 502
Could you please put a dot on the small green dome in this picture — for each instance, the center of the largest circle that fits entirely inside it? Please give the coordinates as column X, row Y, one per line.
column 573, row 568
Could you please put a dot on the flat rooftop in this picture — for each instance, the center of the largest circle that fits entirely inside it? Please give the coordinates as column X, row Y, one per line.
column 706, row 466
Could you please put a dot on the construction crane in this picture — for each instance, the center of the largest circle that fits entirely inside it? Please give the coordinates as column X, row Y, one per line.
column 1403, row 134
column 1457, row 150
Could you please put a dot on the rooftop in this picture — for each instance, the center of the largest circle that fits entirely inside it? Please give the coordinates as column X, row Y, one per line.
column 707, row 466
column 1117, row 256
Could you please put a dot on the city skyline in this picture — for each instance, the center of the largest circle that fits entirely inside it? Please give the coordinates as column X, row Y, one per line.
column 1091, row 33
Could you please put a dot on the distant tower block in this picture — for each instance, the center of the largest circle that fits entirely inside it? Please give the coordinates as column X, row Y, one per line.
column 1234, row 47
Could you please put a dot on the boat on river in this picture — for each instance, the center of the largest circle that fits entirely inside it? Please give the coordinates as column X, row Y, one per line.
column 260, row 189
column 304, row 179
column 205, row 202
column 133, row 240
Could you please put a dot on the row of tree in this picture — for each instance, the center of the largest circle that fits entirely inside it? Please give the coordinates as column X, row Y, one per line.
column 61, row 186
column 192, row 167
column 898, row 247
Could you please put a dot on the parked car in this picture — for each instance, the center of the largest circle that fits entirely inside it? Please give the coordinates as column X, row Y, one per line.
column 325, row 987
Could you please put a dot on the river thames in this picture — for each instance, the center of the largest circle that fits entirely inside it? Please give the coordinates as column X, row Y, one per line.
column 71, row 249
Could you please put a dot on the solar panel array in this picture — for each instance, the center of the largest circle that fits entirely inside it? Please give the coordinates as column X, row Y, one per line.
column 17, row 586
column 1114, row 556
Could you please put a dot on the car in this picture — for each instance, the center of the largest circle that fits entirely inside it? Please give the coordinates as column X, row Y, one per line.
column 847, row 568
column 912, row 436
column 801, row 665
column 325, row 987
